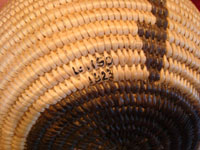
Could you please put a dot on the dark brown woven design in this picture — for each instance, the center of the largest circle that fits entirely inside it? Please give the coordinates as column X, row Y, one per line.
column 99, row 74
column 118, row 115
column 154, row 38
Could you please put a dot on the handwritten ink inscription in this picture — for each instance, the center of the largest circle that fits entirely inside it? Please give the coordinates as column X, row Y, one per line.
column 95, row 64
column 102, row 75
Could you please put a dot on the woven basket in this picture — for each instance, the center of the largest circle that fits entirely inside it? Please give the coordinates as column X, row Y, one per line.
column 99, row 75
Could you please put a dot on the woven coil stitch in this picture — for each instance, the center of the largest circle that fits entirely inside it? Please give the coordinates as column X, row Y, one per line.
column 99, row 74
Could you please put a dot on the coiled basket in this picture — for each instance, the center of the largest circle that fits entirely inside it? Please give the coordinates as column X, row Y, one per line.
column 99, row 75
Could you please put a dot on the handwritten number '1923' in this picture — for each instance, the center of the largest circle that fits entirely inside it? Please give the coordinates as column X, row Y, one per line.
column 110, row 73
column 97, row 77
column 104, row 75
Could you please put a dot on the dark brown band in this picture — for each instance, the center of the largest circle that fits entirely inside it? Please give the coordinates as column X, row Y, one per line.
column 122, row 115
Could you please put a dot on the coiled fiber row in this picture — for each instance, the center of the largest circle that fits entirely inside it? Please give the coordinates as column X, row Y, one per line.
column 99, row 74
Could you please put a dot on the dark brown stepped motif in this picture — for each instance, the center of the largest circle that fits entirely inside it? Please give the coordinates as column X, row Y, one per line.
column 154, row 38
column 99, row 75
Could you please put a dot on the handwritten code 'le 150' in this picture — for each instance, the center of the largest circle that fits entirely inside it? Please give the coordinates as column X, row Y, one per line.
column 94, row 64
